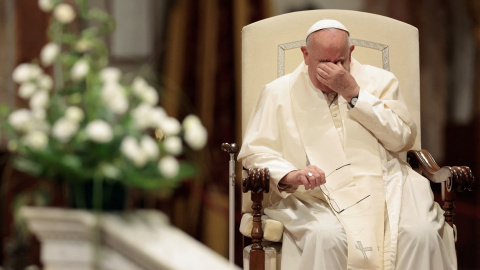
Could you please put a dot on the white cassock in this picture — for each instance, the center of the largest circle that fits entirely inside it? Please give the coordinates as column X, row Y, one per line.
column 389, row 219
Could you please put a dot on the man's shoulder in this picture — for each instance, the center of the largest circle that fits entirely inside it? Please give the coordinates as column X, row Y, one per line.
column 368, row 70
column 279, row 87
column 285, row 82
column 282, row 81
column 371, row 75
column 380, row 71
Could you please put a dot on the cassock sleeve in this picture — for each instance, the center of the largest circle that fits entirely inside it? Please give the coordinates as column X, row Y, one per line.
column 380, row 108
column 262, row 141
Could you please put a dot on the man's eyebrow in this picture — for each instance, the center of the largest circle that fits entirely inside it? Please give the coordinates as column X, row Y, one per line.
column 327, row 60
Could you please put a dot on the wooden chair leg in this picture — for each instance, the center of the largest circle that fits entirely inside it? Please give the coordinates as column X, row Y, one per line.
column 257, row 182
column 448, row 204
column 257, row 254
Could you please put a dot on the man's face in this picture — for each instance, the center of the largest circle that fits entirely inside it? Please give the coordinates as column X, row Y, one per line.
column 328, row 45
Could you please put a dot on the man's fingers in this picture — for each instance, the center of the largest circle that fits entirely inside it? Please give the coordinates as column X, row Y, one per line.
column 305, row 181
column 310, row 177
column 324, row 80
column 315, row 177
column 321, row 176
column 323, row 73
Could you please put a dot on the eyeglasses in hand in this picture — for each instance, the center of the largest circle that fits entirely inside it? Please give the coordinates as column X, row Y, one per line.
column 331, row 200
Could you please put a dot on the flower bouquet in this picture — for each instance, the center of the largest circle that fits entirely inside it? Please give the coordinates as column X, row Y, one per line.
column 87, row 124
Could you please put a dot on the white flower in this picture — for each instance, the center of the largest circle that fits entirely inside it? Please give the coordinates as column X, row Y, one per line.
column 25, row 72
column 38, row 122
column 110, row 171
column 170, row 126
column 49, row 53
column 118, row 104
column 83, row 45
column 195, row 133
column 74, row 113
column 39, row 100
column 24, row 120
column 144, row 91
column 45, row 5
column 26, row 90
column 35, row 71
column 149, row 147
column 191, row 121
column 173, row 145
column 110, row 89
column 64, row 13
column 138, row 85
column 196, row 138
column 132, row 151
column 36, row 140
column 150, row 96
column 20, row 119
column 168, row 166
column 129, row 146
column 39, row 114
column 142, row 116
column 45, row 82
column 21, row 73
column 79, row 70
column 64, row 129
column 114, row 98
column 110, row 74
column 158, row 114
column 99, row 131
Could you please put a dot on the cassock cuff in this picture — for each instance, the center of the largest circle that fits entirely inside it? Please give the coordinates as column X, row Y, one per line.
column 365, row 101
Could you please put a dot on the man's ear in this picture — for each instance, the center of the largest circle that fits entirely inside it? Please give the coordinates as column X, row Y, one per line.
column 305, row 54
column 352, row 47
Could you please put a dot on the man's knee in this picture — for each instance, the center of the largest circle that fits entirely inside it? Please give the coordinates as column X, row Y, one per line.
column 328, row 238
column 419, row 233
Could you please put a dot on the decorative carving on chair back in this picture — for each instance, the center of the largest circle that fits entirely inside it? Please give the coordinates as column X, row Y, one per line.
column 257, row 182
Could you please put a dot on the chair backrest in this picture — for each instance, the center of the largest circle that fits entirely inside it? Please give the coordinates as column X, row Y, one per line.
column 271, row 48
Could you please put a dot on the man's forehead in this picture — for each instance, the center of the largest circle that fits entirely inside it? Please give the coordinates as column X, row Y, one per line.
column 328, row 39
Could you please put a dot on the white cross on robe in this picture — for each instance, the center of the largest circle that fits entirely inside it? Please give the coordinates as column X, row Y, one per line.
column 360, row 247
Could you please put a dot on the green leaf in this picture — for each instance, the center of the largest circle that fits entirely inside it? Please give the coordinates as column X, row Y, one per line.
column 27, row 166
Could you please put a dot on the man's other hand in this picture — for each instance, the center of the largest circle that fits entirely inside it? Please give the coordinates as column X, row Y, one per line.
column 337, row 78
column 310, row 176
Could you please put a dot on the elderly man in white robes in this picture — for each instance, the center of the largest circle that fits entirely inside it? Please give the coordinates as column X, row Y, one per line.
column 330, row 133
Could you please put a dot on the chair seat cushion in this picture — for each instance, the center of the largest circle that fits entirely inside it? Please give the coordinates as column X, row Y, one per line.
column 272, row 229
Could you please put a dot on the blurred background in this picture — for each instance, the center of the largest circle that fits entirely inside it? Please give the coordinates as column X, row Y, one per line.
column 191, row 51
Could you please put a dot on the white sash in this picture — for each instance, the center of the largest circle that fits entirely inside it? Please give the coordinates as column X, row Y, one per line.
column 363, row 221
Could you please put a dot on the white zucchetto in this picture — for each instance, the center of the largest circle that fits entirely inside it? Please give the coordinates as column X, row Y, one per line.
column 325, row 24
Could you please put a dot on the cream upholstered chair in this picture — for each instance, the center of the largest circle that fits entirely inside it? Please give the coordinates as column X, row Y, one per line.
column 271, row 48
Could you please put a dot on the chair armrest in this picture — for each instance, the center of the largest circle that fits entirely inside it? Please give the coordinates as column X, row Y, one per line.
column 453, row 178
column 456, row 178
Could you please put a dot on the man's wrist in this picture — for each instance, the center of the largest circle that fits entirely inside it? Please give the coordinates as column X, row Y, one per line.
column 286, row 187
column 353, row 101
